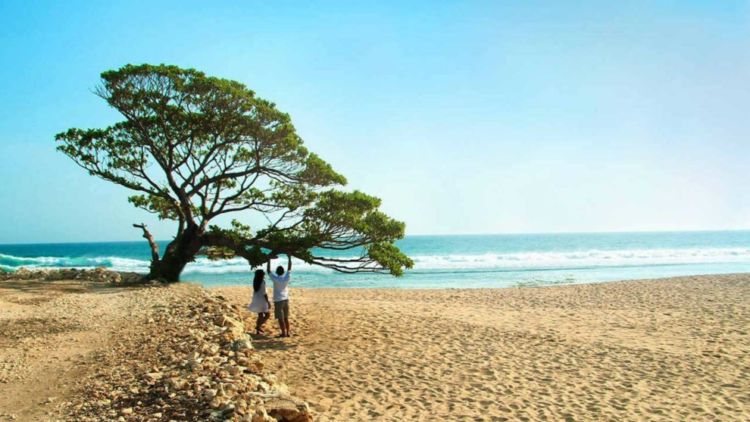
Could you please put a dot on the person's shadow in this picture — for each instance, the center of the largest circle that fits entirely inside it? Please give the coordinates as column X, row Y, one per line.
column 265, row 342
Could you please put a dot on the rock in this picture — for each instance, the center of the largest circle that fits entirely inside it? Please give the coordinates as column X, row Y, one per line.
column 154, row 376
column 288, row 410
column 127, row 411
column 236, row 329
column 227, row 409
column 209, row 393
column 115, row 278
column 100, row 274
column 254, row 363
column 241, row 405
column 177, row 383
column 23, row 273
column 264, row 387
column 261, row 416
column 241, row 345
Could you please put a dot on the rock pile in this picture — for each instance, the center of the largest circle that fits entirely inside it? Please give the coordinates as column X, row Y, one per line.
column 190, row 360
column 99, row 275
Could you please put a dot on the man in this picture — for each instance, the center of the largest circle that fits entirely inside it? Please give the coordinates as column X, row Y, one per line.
column 281, row 295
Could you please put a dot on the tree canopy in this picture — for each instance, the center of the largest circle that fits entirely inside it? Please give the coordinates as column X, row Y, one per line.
column 193, row 147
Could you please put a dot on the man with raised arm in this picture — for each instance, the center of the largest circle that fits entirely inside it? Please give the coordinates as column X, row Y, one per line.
column 281, row 295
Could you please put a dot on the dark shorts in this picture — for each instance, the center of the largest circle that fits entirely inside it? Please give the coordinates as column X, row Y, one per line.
column 281, row 309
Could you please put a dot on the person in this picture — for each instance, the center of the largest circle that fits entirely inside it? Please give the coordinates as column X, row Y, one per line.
column 260, row 302
column 281, row 295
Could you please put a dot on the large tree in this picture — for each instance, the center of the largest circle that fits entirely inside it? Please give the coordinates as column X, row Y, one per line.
column 194, row 147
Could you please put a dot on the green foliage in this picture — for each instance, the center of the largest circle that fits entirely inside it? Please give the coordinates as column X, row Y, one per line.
column 194, row 147
column 164, row 208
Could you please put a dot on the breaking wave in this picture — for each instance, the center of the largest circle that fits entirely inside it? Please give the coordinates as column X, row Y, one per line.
column 578, row 259
column 519, row 261
column 113, row 262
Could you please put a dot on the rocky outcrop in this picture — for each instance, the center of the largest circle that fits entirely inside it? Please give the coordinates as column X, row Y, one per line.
column 191, row 360
column 99, row 275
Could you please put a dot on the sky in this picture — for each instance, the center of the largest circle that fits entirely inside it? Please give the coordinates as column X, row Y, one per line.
column 463, row 116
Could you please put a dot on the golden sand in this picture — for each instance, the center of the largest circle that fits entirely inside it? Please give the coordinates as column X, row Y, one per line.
column 672, row 349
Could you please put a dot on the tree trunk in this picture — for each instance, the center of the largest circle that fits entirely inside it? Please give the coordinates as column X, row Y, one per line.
column 177, row 255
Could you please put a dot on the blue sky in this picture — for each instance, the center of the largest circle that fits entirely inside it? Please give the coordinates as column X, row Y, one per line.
column 464, row 117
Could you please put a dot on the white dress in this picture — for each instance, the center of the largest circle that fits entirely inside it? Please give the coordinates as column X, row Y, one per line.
column 259, row 303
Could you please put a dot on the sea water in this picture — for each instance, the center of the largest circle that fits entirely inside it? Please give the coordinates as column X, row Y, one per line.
column 466, row 261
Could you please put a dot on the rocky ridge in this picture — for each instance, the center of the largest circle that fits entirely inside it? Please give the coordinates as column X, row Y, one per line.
column 99, row 275
column 192, row 361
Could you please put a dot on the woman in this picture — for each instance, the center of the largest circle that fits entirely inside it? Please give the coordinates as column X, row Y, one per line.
column 260, row 302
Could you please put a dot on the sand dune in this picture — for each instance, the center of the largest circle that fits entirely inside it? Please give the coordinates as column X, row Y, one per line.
column 672, row 349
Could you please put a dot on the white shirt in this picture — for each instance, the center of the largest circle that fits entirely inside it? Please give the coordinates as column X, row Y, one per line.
column 280, row 286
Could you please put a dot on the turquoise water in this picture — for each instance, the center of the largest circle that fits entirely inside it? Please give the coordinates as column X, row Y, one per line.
column 453, row 261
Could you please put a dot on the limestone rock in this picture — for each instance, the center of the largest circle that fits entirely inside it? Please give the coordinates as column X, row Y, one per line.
column 194, row 361
column 288, row 410
column 261, row 416
column 243, row 344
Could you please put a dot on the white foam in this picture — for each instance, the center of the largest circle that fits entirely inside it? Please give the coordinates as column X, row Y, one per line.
column 204, row 265
column 504, row 261
column 593, row 258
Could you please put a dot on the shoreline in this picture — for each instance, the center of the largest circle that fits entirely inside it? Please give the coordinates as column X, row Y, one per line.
column 519, row 286
column 450, row 261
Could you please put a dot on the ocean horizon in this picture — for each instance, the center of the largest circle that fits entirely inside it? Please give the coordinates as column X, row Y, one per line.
column 445, row 261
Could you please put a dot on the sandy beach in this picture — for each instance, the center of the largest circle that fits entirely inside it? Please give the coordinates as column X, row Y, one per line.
column 671, row 349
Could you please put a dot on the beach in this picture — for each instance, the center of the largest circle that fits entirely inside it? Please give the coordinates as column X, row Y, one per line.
column 670, row 349
column 463, row 210
column 81, row 350
column 667, row 349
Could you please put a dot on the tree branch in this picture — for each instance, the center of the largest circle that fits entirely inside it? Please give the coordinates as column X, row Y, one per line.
column 151, row 242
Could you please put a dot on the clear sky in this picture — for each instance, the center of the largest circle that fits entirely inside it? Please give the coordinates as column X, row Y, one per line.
column 465, row 117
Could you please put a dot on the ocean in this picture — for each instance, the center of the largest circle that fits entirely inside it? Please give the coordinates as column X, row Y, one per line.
column 466, row 261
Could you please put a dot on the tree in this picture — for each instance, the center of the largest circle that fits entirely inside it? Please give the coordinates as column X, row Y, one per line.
column 194, row 147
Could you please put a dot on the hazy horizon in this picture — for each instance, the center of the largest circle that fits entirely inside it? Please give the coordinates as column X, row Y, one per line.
column 465, row 118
